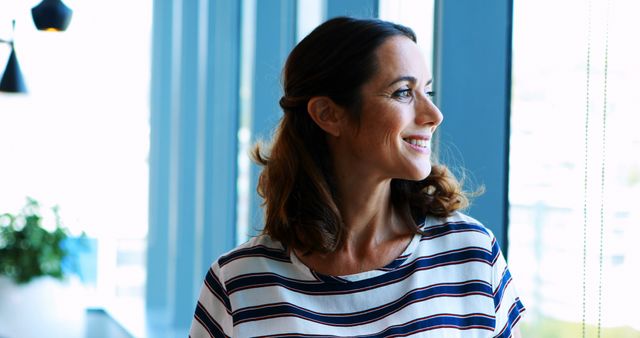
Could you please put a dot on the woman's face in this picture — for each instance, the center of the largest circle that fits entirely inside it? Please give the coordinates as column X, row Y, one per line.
column 398, row 118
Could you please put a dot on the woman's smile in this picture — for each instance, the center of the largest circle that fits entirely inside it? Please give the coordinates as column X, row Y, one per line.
column 418, row 144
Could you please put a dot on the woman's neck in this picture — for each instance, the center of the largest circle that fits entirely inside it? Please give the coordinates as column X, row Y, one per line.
column 375, row 233
column 366, row 211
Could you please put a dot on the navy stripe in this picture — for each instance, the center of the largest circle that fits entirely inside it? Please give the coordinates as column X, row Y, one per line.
column 504, row 283
column 328, row 279
column 467, row 322
column 306, row 335
column 256, row 251
column 395, row 264
column 368, row 316
column 208, row 322
column 452, row 251
column 514, row 317
column 460, row 256
column 213, row 284
column 495, row 251
column 451, row 227
column 460, row 322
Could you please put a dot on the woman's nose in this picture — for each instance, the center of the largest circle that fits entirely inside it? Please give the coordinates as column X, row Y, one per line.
column 427, row 112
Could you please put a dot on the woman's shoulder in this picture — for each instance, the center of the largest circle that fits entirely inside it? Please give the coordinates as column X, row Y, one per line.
column 258, row 246
column 457, row 226
column 256, row 254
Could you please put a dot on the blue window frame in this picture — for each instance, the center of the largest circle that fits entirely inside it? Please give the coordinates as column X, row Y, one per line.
column 195, row 101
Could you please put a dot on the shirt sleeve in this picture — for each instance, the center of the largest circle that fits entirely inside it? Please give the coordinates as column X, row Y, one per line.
column 508, row 307
column 212, row 316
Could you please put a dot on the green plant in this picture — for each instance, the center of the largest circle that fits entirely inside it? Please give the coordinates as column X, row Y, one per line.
column 27, row 250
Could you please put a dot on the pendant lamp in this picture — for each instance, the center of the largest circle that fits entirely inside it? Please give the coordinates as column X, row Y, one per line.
column 12, row 80
column 51, row 15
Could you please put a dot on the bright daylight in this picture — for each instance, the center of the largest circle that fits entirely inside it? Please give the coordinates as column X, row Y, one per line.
column 352, row 168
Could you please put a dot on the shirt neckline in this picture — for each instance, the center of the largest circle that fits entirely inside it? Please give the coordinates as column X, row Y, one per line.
column 393, row 265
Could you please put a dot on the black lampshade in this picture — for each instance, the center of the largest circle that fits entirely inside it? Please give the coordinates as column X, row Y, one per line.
column 51, row 15
column 12, row 80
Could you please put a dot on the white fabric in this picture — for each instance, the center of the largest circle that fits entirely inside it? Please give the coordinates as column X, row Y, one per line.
column 451, row 281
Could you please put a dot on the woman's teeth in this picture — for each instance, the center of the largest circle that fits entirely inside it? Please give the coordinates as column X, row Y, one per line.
column 416, row 142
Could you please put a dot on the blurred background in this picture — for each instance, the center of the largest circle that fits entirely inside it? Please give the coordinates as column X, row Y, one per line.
column 137, row 121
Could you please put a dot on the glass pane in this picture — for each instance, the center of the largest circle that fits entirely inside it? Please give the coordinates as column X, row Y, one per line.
column 416, row 14
column 243, row 231
column 547, row 166
column 80, row 137
column 310, row 14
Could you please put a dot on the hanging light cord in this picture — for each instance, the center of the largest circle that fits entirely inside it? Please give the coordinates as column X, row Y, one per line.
column 586, row 172
column 13, row 30
column 602, row 173
column 603, row 164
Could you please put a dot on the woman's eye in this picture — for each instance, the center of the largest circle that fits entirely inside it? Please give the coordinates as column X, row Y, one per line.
column 404, row 93
column 430, row 93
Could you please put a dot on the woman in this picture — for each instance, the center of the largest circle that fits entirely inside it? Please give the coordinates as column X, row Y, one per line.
column 362, row 234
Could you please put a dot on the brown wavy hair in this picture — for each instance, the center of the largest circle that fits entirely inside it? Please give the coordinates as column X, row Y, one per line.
column 297, row 183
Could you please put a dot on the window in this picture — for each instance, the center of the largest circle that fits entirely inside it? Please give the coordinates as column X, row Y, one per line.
column 416, row 14
column 547, row 166
column 80, row 137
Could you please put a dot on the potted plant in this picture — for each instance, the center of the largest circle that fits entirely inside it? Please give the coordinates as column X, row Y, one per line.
column 36, row 264
column 27, row 250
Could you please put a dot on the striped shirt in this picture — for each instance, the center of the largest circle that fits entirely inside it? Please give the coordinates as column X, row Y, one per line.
column 451, row 281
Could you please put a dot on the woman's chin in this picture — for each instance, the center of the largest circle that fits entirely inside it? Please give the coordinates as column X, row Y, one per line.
column 419, row 175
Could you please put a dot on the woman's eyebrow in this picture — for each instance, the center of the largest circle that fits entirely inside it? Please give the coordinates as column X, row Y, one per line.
column 408, row 78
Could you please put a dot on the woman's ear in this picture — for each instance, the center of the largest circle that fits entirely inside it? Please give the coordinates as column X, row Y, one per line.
column 326, row 114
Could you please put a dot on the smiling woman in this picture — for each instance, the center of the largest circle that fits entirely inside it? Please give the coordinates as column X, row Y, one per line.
column 363, row 233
